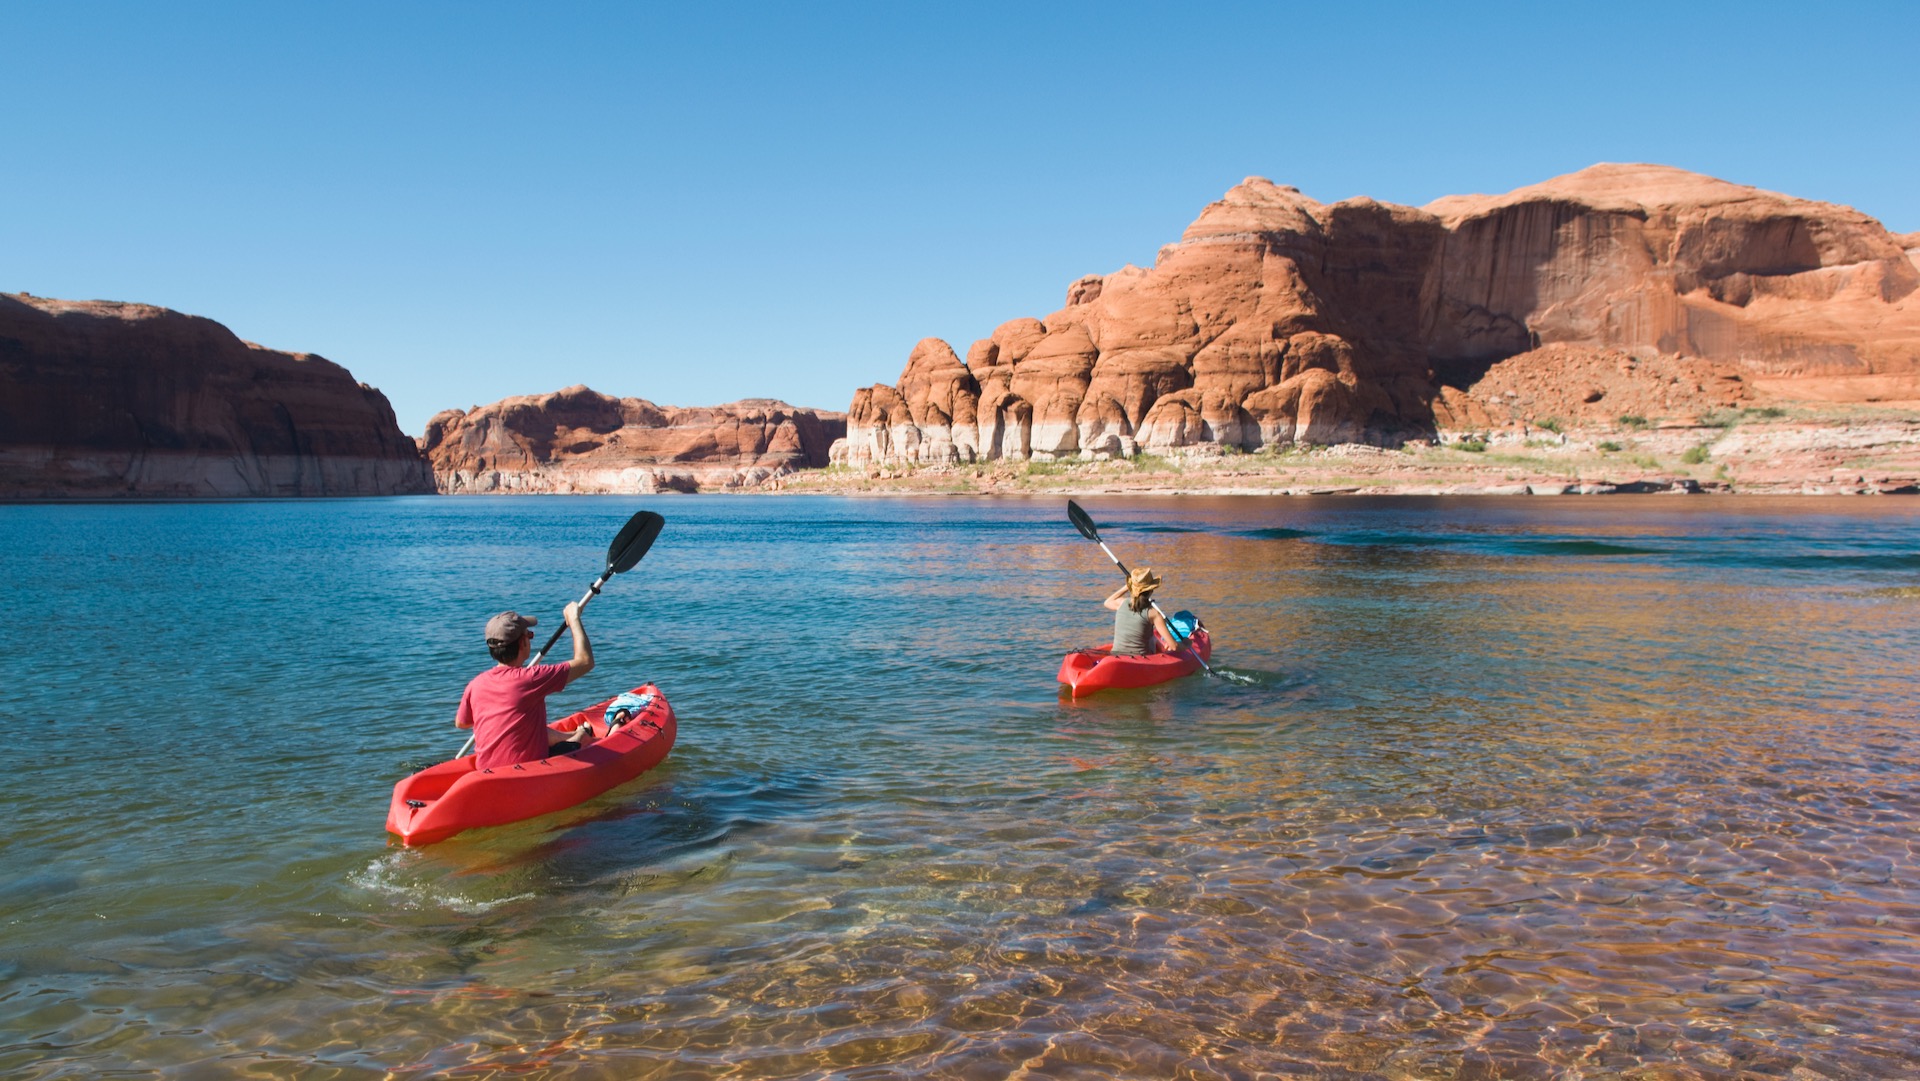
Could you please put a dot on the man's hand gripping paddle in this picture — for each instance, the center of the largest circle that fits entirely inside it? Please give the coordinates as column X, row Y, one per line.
column 1088, row 530
column 633, row 541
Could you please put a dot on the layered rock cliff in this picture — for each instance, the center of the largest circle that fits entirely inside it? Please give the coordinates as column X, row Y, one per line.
column 101, row 399
column 1278, row 319
column 580, row 441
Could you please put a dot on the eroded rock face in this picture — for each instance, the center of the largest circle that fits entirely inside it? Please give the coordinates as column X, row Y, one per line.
column 1279, row 319
column 1807, row 299
column 581, row 441
column 101, row 399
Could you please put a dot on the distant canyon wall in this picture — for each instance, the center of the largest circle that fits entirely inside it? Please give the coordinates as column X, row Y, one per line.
column 103, row 400
column 578, row 440
column 1277, row 319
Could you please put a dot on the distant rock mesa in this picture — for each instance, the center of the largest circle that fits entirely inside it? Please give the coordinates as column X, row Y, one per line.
column 581, row 441
column 107, row 400
column 1277, row 319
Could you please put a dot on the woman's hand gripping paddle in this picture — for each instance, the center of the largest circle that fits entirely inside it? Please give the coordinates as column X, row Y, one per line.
column 632, row 542
column 1087, row 529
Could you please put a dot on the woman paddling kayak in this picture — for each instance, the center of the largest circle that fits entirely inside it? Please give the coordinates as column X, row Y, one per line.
column 1136, row 622
column 1145, row 650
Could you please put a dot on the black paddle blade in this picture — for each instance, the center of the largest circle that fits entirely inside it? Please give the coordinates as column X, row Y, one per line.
column 635, row 538
column 1081, row 522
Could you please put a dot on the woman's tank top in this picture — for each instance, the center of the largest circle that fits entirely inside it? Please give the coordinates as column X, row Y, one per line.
column 1132, row 631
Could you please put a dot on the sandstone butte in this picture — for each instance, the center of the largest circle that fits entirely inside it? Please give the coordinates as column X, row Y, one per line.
column 577, row 440
column 1619, row 289
column 101, row 399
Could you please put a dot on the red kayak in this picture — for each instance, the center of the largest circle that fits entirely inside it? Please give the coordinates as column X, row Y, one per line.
column 1086, row 671
column 442, row 800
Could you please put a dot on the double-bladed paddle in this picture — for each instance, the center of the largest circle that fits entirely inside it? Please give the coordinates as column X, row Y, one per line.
column 1087, row 529
column 632, row 542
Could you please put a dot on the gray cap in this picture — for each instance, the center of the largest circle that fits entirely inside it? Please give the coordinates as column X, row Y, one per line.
column 506, row 628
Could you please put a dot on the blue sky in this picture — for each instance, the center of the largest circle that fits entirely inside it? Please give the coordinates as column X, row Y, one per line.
column 465, row 201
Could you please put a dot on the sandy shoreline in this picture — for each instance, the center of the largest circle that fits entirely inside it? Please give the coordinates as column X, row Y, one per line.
column 1762, row 455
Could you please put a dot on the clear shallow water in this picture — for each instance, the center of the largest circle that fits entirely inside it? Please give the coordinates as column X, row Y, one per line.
column 1604, row 787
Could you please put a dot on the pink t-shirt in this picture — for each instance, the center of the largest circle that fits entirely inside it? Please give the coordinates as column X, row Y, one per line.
column 507, row 709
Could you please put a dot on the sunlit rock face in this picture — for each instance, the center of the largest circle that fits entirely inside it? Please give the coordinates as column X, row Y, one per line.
column 100, row 399
column 1278, row 319
column 581, row 441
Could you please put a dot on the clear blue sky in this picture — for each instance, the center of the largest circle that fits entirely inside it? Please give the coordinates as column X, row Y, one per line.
column 463, row 201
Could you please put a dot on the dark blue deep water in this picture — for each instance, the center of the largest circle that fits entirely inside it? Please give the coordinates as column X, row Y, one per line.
column 1505, row 788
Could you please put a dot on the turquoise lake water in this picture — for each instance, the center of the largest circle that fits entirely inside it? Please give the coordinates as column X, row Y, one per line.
column 1507, row 788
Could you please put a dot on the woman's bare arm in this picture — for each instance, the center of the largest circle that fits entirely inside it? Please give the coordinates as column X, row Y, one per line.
column 1165, row 632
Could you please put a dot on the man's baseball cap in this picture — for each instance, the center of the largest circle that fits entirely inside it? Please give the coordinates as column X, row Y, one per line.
column 506, row 628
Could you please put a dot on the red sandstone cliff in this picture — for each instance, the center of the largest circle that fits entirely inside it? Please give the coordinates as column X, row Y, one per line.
column 578, row 440
column 101, row 399
column 1278, row 319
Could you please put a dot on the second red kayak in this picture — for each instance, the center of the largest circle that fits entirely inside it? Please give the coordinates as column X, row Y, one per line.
column 1086, row 671
column 440, row 801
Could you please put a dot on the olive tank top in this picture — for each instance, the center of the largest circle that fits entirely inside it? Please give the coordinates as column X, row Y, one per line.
column 1132, row 631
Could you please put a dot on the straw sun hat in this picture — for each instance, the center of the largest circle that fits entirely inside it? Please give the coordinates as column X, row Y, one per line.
column 1142, row 581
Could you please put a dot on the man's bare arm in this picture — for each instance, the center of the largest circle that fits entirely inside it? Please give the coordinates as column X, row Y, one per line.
column 582, row 661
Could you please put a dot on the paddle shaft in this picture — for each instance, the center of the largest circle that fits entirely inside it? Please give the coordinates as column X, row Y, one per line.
column 592, row 592
column 1194, row 653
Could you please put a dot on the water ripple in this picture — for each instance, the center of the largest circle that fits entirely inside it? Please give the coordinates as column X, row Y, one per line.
column 1516, row 789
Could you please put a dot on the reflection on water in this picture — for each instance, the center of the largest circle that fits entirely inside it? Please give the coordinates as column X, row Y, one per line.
column 1618, row 787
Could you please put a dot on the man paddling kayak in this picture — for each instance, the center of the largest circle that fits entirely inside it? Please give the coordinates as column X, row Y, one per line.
column 506, row 705
column 1136, row 622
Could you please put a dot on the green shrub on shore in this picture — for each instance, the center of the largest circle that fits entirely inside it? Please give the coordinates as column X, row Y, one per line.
column 1609, row 447
column 1632, row 420
column 1695, row 454
column 1154, row 463
column 1551, row 424
column 1471, row 446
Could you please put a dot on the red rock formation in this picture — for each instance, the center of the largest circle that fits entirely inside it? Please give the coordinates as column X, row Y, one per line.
column 1810, row 300
column 1589, row 386
column 101, row 399
column 579, row 440
column 1277, row 319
